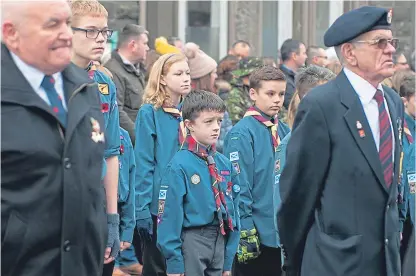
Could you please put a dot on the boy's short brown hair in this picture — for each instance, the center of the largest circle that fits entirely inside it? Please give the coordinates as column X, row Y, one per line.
column 265, row 73
column 80, row 8
column 198, row 101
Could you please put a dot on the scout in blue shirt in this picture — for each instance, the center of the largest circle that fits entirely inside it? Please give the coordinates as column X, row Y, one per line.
column 159, row 133
column 251, row 146
column 127, row 260
column 306, row 79
column 198, row 220
column 90, row 34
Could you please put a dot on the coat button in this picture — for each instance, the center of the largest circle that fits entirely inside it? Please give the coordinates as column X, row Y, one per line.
column 67, row 163
column 67, row 246
column 386, row 241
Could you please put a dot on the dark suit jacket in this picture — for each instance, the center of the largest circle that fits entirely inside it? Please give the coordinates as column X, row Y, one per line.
column 337, row 216
column 53, row 219
column 290, row 85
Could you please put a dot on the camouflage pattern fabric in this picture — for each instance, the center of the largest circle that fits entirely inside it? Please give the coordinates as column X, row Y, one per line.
column 249, row 246
column 247, row 66
column 238, row 100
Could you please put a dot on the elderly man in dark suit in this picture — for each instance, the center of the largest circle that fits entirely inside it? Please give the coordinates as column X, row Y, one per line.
column 339, row 189
column 53, row 218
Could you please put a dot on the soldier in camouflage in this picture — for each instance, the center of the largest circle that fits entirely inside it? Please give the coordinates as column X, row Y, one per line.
column 238, row 100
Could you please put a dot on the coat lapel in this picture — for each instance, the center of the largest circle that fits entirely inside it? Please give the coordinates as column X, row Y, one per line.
column 354, row 114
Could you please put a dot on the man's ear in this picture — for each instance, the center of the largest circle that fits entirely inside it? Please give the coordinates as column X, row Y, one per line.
column 189, row 125
column 348, row 52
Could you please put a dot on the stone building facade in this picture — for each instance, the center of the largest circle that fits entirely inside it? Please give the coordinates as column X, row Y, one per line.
column 215, row 25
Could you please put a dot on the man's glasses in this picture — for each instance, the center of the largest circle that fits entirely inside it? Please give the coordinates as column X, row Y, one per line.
column 381, row 42
column 93, row 33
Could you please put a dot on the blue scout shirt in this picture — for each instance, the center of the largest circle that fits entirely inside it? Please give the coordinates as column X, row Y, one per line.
column 156, row 142
column 186, row 200
column 109, row 109
column 408, row 174
column 280, row 164
column 126, row 186
column 250, row 149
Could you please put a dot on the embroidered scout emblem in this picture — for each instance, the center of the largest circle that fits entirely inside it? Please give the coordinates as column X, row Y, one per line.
column 411, row 178
column 225, row 172
column 195, row 179
column 277, row 179
column 162, row 194
column 236, row 167
column 161, row 207
column 360, row 129
column 277, row 165
column 236, row 188
column 103, row 88
column 390, row 16
column 96, row 135
column 234, row 156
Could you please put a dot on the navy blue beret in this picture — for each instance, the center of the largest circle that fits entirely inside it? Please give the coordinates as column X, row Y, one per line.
column 356, row 22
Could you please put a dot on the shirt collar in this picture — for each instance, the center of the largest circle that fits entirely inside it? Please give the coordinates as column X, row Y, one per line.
column 126, row 61
column 362, row 87
column 32, row 74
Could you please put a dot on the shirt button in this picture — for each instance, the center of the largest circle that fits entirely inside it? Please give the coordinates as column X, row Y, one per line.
column 386, row 241
column 67, row 163
column 67, row 246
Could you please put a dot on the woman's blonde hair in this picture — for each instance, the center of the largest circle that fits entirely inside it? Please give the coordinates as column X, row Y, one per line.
column 293, row 109
column 156, row 93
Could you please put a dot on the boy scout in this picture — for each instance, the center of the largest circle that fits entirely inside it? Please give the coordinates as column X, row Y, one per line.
column 251, row 146
column 408, row 187
column 198, row 229
column 90, row 33
column 127, row 260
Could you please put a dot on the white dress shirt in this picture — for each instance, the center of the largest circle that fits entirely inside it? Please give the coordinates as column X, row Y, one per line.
column 35, row 78
column 366, row 93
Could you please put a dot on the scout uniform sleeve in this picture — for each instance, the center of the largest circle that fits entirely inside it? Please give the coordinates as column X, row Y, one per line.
column 113, row 127
column 125, row 120
column 170, row 220
column 128, row 220
column 144, row 153
column 234, row 236
column 238, row 149
column 302, row 179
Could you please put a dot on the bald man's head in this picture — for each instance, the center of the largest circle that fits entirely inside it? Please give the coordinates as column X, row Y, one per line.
column 38, row 32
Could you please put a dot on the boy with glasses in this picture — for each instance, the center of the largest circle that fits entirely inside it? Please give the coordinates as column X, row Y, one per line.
column 91, row 32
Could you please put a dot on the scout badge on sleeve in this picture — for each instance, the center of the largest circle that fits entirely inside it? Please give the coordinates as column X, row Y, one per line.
column 360, row 129
column 103, row 88
column 234, row 156
column 277, row 165
column 236, row 167
column 96, row 135
column 411, row 178
column 161, row 206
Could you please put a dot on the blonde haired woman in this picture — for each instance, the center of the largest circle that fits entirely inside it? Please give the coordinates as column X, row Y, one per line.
column 159, row 134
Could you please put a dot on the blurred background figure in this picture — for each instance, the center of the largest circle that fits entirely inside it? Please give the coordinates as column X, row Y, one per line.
column 293, row 57
column 400, row 61
column 176, row 41
column 240, row 49
column 317, row 56
column 335, row 66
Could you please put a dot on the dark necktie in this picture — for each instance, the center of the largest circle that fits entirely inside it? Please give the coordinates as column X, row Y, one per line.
column 386, row 139
column 55, row 100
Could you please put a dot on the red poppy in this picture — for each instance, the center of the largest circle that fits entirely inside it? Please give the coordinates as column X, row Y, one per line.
column 121, row 149
column 104, row 108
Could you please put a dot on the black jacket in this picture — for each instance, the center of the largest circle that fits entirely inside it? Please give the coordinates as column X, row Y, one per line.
column 53, row 219
column 130, row 85
column 337, row 215
column 290, row 85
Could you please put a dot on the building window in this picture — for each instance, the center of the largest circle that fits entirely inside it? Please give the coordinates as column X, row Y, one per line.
column 203, row 26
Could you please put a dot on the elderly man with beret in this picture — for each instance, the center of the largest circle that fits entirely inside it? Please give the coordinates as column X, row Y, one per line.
column 339, row 188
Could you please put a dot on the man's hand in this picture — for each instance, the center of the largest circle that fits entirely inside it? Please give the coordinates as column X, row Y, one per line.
column 226, row 273
column 124, row 245
column 113, row 241
column 249, row 246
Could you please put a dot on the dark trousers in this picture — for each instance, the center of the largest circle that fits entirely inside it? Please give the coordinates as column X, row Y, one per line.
column 138, row 246
column 269, row 263
column 407, row 231
column 153, row 260
column 108, row 269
